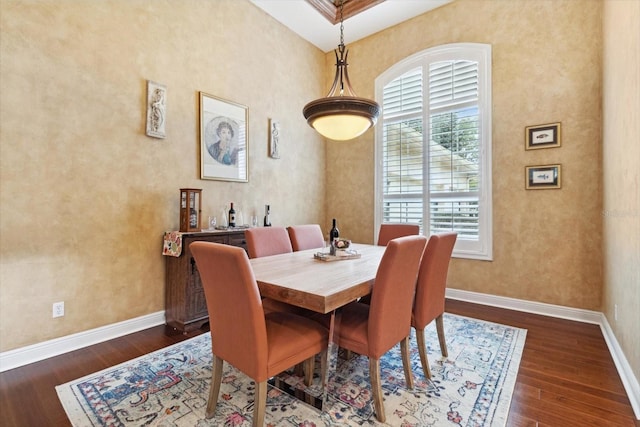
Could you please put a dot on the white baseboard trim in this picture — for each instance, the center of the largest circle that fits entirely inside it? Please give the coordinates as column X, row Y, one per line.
column 629, row 380
column 559, row 311
column 23, row 356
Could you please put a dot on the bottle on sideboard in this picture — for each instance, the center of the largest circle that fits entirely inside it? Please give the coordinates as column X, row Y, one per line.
column 193, row 215
column 232, row 216
column 267, row 212
column 193, row 218
column 334, row 233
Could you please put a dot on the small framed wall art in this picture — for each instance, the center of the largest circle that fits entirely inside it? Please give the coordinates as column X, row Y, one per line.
column 543, row 136
column 543, row 177
column 156, row 109
column 224, row 139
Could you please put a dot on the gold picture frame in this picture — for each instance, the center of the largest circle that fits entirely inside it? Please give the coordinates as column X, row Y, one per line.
column 543, row 136
column 224, row 139
column 543, row 177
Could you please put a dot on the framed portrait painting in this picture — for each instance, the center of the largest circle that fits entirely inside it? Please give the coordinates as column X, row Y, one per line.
column 224, row 139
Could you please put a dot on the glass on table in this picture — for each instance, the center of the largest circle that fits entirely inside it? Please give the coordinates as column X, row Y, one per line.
column 223, row 221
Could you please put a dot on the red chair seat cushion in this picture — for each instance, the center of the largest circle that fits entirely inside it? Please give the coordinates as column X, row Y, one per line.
column 354, row 328
column 291, row 338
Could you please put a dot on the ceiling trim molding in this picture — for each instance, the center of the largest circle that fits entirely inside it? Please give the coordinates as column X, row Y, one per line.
column 305, row 19
column 331, row 12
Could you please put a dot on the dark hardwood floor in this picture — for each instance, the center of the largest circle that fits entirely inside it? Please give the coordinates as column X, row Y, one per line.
column 566, row 377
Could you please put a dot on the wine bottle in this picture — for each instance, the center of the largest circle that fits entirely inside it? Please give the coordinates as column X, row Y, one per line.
column 334, row 233
column 232, row 216
column 193, row 215
column 267, row 211
column 193, row 218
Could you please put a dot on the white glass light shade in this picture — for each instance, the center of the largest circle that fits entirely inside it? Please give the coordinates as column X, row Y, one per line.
column 341, row 127
column 341, row 117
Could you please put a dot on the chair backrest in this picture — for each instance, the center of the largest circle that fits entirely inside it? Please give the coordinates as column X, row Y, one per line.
column 391, row 231
column 308, row 236
column 236, row 318
column 393, row 293
column 265, row 241
column 432, row 278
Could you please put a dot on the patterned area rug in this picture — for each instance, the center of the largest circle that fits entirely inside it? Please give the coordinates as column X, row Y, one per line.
column 472, row 387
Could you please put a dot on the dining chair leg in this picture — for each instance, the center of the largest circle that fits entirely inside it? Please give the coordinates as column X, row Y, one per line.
column 323, row 367
column 309, row 366
column 376, row 387
column 406, row 362
column 422, row 349
column 214, row 388
column 440, row 329
column 260, row 404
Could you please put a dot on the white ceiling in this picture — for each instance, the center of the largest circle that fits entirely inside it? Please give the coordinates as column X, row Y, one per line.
column 308, row 23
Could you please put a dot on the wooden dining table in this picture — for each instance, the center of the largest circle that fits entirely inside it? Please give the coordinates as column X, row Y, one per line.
column 300, row 279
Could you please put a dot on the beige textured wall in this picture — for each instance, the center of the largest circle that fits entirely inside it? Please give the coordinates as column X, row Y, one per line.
column 621, row 169
column 85, row 195
column 546, row 68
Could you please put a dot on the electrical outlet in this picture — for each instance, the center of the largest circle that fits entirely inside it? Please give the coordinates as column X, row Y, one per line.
column 58, row 309
column 615, row 312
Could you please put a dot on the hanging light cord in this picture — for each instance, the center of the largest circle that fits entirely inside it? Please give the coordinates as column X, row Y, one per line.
column 341, row 23
column 341, row 115
column 342, row 61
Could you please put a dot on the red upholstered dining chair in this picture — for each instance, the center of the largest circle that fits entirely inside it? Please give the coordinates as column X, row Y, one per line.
column 265, row 241
column 308, row 236
column 259, row 344
column 372, row 330
column 430, row 292
column 388, row 232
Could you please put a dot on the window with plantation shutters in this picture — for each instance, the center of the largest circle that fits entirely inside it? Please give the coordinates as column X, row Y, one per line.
column 433, row 145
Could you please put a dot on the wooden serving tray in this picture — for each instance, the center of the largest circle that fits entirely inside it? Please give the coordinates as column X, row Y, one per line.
column 349, row 254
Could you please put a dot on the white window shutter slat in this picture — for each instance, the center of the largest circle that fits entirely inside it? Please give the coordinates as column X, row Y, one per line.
column 431, row 167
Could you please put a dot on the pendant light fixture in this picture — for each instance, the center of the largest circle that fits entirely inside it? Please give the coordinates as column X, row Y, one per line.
column 341, row 115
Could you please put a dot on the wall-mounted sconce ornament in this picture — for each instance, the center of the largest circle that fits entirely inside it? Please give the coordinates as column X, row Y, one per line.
column 274, row 138
column 156, row 109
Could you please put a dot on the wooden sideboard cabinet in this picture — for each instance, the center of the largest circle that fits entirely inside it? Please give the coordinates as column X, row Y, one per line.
column 185, row 304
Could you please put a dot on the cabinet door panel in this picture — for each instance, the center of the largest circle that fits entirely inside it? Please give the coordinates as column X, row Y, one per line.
column 238, row 240
column 185, row 303
column 196, row 301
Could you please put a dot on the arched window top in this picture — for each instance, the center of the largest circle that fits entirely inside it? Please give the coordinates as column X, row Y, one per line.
column 433, row 144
